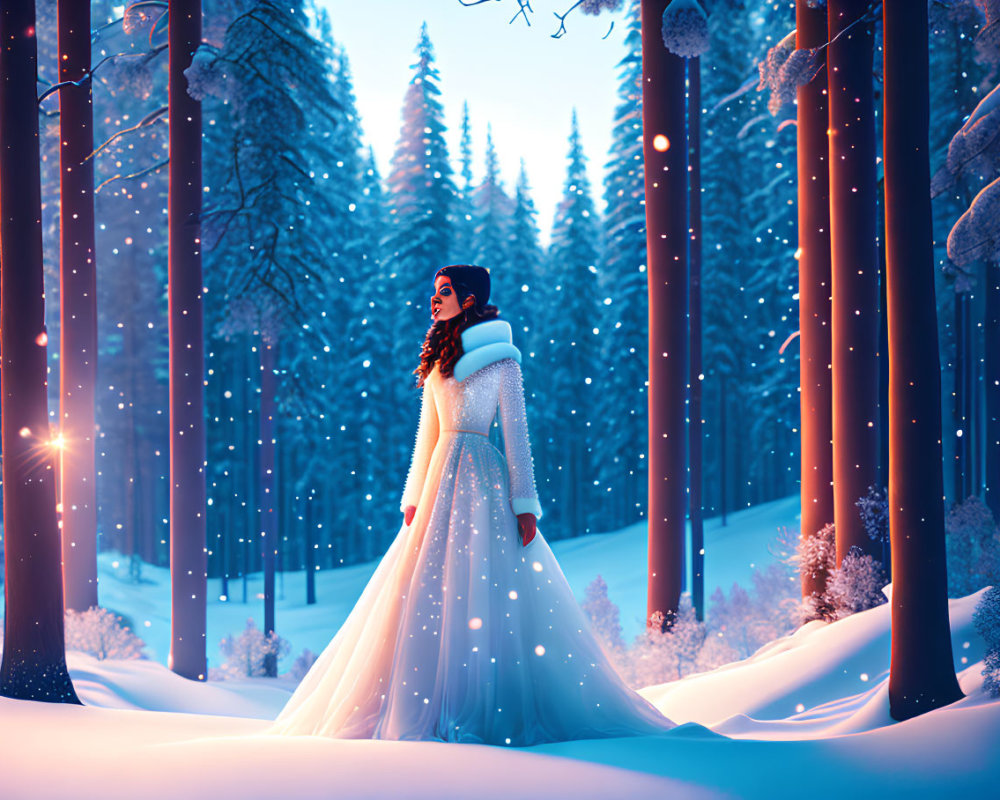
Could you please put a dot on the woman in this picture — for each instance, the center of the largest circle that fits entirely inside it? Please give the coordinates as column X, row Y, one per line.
column 468, row 630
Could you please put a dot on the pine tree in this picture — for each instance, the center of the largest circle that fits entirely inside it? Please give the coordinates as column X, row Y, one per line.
column 625, row 350
column 492, row 212
column 464, row 244
column 419, row 239
column 572, row 349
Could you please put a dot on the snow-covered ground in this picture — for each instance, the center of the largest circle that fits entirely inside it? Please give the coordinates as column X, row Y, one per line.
column 807, row 716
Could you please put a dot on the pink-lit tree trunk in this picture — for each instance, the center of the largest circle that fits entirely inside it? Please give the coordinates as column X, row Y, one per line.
column 854, row 268
column 696, row 366
column 187, row 358
column 78, row 310
column 814, row 291
column 921, row 673
column 664, row 135
column 34, row 657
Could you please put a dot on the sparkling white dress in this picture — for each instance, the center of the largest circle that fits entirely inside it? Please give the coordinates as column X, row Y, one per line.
column 463, row 634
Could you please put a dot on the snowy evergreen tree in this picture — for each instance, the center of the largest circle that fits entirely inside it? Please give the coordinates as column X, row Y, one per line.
column 463, row 221
column 570, row 348
column 419, row 239
column 604, row 616
column 492, row 215
column 625, row 351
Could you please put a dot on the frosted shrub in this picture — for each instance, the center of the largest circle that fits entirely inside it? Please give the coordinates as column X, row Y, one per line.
column 987, row 622
column 973, row 546
column 658, row 656
column 856, row 585
column 302, row 664
column 741, row 622
column 874, row 511
column 784, row 70
column 685, row 29
column 98, row 632
column 604, row 616
column 816, row 557
column 245, row 653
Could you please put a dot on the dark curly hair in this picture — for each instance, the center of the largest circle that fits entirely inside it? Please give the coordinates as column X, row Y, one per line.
column 443, row 342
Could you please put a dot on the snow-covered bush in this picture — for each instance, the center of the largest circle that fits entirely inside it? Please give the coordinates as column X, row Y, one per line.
column 874, row 511
column 987, row 622
column 302, row 664
column 245, row 654
column 685, row 29
column 784, row 70
column 856, row 585
column 604, row 616
column 973, row 545
column 658, row 656
column 816, row 557
column 100, row 633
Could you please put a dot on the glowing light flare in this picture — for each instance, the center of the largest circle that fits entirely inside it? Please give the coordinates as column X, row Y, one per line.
column 661, row 143
column 536, row 566
column 24, row 433
column 42, row 339
column 512, row 594
column 475, row 623
column 539, row 650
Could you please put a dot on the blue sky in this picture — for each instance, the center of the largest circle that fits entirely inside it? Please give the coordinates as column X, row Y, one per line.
column 518, row 79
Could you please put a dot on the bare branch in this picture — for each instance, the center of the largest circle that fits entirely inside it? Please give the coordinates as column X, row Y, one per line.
column 55, row 87
column 524, row 8
column 138, row 174
column 562, row 20
column 149, row 119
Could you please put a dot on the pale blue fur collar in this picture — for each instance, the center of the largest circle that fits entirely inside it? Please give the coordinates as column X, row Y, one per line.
column 484, row 344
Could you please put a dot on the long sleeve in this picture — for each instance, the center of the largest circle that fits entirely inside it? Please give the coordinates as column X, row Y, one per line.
column 427, row 436
column 513, row 418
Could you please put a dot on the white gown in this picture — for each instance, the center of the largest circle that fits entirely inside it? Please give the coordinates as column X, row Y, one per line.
column 463, row 634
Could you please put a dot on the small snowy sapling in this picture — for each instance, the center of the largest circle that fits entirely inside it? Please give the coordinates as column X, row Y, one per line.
column 604, row 615
column 100, row 633
column 856, row 585
column 245, row 654
column 972, row 542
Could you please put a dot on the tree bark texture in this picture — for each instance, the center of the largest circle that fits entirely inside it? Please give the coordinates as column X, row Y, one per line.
column 33, row 666
column 268, row 493
column 78, row 310
column 854, row 268
column 695, row 370
column 664, row 134
column 187, row 358
column 814, row 293
column 921, row 673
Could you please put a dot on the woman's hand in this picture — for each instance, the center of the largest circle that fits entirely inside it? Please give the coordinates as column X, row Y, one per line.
column 408, row 515
column 526, row 525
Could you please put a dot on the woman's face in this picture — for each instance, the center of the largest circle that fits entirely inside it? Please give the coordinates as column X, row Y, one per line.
column 444, row 302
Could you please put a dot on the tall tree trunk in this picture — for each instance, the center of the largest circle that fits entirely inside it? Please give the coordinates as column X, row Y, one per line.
column 723, row 407
column 921, row 672
column 854, row 268
column 187, row 357
column 991, row 336
column 310, row 554
column 78, row 310
column 268, row 493
column 33, row 666
column 664, row 144
column 814, row 293
column 961, row 462
column 695, row 372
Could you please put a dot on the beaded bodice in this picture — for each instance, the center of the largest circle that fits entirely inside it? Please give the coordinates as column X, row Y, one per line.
column 451, row 409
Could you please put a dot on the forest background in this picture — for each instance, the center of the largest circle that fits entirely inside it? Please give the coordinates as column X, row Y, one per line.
column 285, row 159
